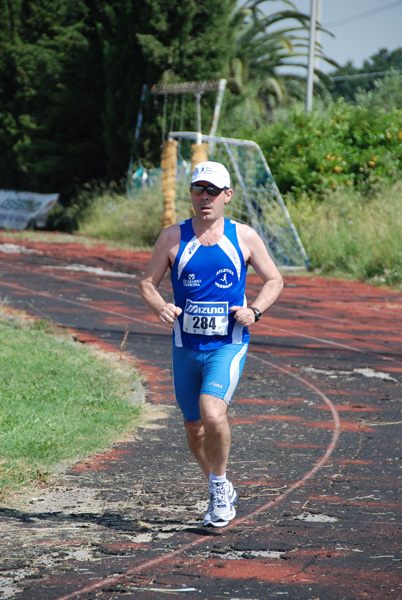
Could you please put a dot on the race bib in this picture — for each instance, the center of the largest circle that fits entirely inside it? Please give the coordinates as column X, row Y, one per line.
column 206, row 318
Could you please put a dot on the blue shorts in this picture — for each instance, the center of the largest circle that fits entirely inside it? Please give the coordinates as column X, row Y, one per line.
column 214, row 372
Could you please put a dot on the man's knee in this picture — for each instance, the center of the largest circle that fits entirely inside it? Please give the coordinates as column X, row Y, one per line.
column 213, row 412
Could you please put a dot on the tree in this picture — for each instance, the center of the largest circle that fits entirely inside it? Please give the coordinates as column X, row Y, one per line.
column 264, row 47
column 71, row 80
column 381, row 61
column 49, row 92
column 149, row 42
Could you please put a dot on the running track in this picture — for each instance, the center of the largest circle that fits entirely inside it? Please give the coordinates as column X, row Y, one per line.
column 316, row 450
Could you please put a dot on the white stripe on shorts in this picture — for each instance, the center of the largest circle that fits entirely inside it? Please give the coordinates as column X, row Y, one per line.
column 234, row 373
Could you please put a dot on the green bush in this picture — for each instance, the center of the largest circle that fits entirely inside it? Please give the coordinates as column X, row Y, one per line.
column 339, row 147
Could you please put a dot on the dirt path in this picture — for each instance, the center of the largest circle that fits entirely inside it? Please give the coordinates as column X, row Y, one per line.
column 316, row 454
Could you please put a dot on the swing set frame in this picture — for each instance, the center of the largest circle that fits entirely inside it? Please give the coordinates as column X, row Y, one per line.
column 169, row 148
column 197, row 88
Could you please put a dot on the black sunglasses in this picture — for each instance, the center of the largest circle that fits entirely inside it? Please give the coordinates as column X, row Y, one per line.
column 210, row 189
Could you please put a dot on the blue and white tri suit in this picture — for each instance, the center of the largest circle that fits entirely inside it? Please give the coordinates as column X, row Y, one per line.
column 209, row 345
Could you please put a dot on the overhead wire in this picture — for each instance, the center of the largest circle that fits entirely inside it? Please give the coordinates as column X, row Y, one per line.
column 363, row 14
column 365, row 75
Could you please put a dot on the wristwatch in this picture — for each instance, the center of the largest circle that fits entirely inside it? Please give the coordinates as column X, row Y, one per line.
column 257, row 313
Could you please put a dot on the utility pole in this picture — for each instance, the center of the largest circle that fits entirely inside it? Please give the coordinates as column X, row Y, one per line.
column 318, row 32
column 311, row 55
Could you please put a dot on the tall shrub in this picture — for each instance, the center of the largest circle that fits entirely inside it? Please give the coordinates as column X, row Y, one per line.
column 343, row 145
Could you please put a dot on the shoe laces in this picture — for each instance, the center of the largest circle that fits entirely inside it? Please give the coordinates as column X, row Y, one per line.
column 219, row 494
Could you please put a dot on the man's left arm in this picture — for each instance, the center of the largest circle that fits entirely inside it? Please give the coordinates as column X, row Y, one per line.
column 256, row 255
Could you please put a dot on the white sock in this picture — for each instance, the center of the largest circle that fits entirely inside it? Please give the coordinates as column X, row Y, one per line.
column 220, row 478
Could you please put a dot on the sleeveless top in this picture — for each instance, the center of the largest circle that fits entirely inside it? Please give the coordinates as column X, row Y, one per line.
column 207, row 281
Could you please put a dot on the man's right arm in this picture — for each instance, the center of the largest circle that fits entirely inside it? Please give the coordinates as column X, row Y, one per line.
column 165, row 251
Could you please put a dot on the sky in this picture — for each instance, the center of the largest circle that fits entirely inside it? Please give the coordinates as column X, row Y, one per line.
column 360, row 27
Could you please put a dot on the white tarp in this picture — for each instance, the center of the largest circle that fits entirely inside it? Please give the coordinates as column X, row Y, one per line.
column 18, row 209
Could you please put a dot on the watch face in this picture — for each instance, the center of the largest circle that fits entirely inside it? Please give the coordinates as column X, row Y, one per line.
column 257, row 313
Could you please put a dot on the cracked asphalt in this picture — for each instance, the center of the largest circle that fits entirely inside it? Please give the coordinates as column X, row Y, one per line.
column 316, row 451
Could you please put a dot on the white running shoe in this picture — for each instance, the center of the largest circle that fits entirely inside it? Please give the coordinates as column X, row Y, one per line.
column 222, row 497
column 208, row 518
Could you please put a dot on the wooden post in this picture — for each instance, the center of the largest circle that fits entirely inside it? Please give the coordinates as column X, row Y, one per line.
column 199, row 153
column 168, row 164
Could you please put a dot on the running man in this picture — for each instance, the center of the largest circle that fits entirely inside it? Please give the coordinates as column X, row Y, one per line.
column 208, row 257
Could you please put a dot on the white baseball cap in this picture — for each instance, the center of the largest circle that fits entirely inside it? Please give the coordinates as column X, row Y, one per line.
column 213, row 172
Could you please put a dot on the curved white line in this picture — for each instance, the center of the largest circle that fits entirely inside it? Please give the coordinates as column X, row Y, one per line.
column 297, row 484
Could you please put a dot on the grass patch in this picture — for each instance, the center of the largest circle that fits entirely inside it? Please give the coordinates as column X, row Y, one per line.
column 352, row 235
column 59, row 400
column 129, row 220
column 48, row 237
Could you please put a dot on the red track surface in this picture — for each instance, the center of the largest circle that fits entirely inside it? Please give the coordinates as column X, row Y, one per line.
column 316, row 449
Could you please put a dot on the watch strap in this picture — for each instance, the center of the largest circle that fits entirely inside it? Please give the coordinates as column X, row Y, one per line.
column 257, row 313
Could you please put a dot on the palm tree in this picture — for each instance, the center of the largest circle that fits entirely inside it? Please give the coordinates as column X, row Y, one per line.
column 262, row 50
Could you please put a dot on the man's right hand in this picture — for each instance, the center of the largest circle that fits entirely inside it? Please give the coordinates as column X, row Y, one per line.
column 169, row 313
